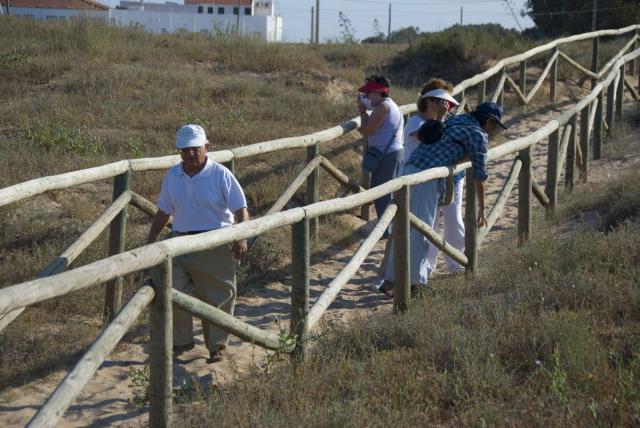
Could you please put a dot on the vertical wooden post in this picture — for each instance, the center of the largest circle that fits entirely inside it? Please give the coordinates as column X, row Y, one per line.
column 551, row 188
column 300, row 256
column 471, row 243
column 231, row 166
column 595, row 59
column 313, row 188
column 597, row 127
column 117, row 238
column 553, row 77
column 365, row 182
column 524, row 196
column 482, row 91
column 160, row 357
column 523, row 77
column 401, row 260
column 610, row 107
column 634, row 62
column 620, row 93
column 584, row 142
column 571, row 156
column 501, row 95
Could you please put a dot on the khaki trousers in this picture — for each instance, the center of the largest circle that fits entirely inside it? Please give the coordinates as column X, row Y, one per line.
column 210, row 276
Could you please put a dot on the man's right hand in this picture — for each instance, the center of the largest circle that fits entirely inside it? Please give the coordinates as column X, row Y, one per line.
column 481, row 220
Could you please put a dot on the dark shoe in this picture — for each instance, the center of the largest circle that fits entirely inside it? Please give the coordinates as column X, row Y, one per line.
column 217, row 355
column 386, row 288
column 179, row 349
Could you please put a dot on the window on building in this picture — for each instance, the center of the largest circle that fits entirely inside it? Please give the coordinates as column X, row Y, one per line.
column 247, row 11
column 200, row 9
column 210, row 10
column 50, row 17
column 236, row 11
column 221, row 11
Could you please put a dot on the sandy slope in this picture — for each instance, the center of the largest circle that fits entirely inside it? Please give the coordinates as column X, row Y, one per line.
column 105, row 400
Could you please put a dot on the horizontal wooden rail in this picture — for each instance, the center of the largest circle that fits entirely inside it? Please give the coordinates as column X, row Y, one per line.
column 37, row 186
column 333, row 289
column 228, row 323
column 164, row 162
column 437, row 240
column 294, row 185
column 340, row 176
column 55, row 406
column 501, row 200
column 73, row 251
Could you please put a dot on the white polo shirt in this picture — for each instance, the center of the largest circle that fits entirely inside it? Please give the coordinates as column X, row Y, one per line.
column 205, row 201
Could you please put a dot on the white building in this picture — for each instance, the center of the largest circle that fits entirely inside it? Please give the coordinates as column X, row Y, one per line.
column 248, row 17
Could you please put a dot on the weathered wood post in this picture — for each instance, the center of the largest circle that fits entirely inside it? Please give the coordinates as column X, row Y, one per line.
column 117, row 239
column 523, row 77
column 300, row 255
column 570, row 163
column 313, row 188
column 365, row 182
column 620, row 93
column 471, row 243
column 634, row 62
column 231, row 166
column 610, row 107
column 482, row 91
column 597, row 127
column 524, row 196
column 595, row 59
column 401, row 260
column 160, row 357
column 553, row 77
column 551, row 188
column 584, row 142
column 501, row 94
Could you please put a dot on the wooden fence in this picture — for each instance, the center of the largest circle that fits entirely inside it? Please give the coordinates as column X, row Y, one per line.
column 567, row 143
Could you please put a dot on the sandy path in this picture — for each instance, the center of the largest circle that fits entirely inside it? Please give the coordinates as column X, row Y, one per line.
column 105, row 400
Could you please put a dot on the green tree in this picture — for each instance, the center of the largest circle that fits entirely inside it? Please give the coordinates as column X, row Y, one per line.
column 557, row 17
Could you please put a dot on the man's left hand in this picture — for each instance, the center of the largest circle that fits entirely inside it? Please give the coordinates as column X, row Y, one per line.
column 481, row 220
column 240, row 249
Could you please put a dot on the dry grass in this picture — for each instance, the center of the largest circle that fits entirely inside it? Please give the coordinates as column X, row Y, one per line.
column 549, row 338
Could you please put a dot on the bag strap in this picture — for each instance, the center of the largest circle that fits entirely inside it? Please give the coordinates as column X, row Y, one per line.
column 393, row 137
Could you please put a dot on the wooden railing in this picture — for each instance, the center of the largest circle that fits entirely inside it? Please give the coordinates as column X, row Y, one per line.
column 55, row 280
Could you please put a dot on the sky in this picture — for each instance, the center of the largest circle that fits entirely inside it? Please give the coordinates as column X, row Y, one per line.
column 428, row 15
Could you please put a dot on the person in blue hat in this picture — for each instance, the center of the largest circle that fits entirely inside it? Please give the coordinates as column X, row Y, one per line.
column 465, row 135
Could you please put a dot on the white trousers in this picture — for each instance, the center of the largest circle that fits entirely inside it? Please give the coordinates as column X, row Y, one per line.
column 451, row 215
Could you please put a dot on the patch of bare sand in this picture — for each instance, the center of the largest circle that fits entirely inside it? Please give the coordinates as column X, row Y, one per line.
column 105, row 400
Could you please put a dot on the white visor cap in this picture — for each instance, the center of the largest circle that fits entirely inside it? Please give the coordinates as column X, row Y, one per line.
column 191, row 136
column 440, row 93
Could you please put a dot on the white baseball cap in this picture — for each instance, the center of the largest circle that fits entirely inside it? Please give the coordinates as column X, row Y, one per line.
column 440, row 93
column 191, row 136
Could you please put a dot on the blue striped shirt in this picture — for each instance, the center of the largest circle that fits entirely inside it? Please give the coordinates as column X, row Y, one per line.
column 462, row 136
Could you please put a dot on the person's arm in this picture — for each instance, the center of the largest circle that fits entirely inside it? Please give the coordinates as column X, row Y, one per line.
column 370, row 124
column 481, row 220
column 160, row 220
column 240, row 247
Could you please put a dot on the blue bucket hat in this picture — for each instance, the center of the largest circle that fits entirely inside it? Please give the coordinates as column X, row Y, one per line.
column 491, row 110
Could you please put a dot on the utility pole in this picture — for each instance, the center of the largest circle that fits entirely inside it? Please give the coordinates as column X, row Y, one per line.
column 461, row 12
column 238, row 20
column 389, row 26
column 312, row 28
column 594, row 16
column 317, row 22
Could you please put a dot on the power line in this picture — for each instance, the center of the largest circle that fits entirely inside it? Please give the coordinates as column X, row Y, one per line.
column 569, row 12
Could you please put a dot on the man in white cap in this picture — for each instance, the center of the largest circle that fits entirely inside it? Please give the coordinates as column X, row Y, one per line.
column 201, row 195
